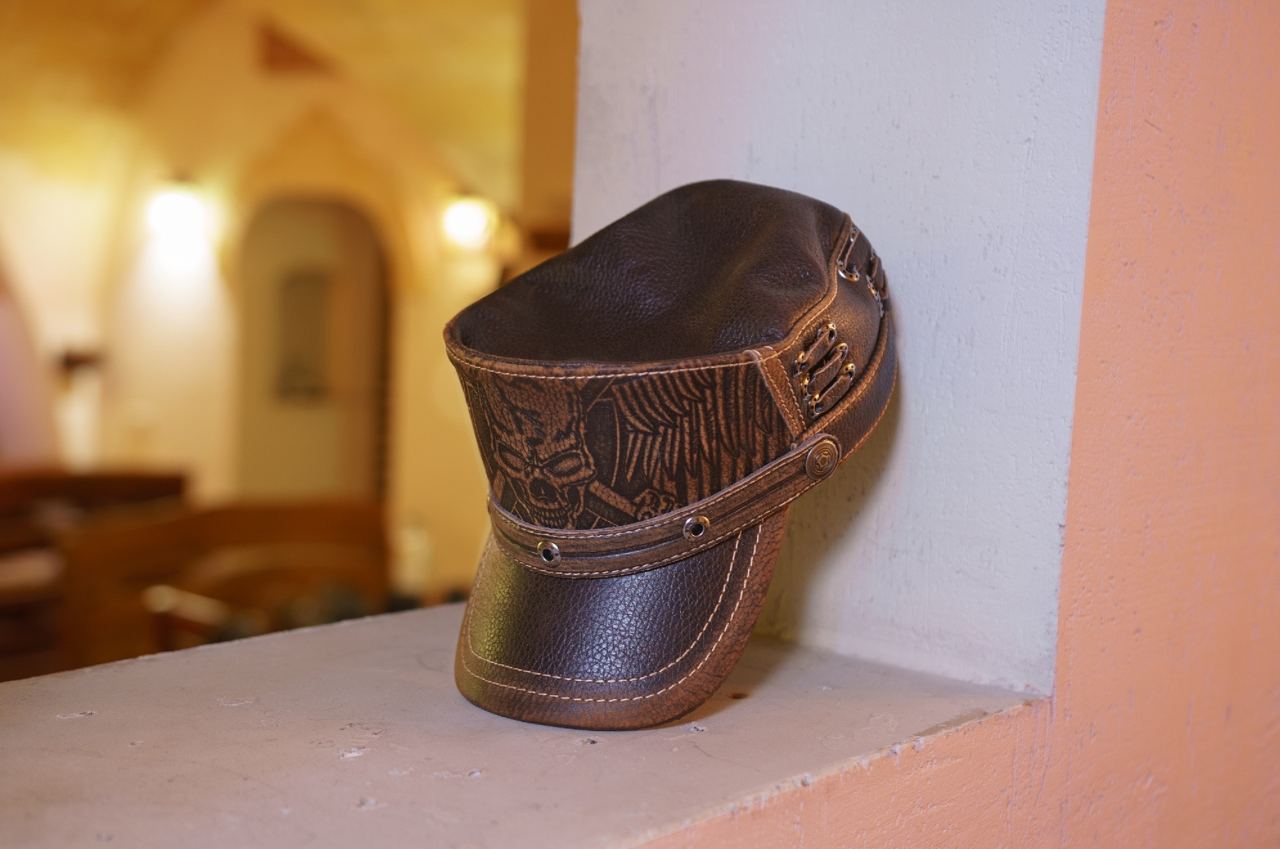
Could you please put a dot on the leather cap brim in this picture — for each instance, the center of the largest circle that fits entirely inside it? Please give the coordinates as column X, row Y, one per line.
column 612, row 652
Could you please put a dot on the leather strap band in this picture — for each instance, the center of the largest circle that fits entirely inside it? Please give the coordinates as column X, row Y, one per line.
column 671, row 536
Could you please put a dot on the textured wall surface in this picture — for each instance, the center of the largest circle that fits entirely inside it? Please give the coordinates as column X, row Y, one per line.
column 1164, row 726
column 959, row 137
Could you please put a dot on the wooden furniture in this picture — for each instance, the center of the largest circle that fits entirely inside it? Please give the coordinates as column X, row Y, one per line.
column 87, row 491
column 30, row 593
column 265, row 561
column 38, row 505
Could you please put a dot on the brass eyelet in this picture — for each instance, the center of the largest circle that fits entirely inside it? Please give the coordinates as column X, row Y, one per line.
column 696, row 526
column 549, row 552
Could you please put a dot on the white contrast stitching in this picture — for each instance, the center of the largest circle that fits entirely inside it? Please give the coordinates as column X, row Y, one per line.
column 732, row 615
column 733, row 562
column 822, row 303
column 664, row 561
column 599, row 376
column 788, row 408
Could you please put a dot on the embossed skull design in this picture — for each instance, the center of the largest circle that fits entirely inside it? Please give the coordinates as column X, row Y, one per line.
column 539, row 445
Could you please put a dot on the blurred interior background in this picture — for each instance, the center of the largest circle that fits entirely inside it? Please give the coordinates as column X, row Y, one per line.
column 231, row 232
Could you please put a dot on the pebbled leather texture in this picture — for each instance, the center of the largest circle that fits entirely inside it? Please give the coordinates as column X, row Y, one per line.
column 759, row 257
column 646, row 406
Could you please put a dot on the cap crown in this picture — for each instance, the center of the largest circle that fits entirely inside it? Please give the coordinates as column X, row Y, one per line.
column 637, row 372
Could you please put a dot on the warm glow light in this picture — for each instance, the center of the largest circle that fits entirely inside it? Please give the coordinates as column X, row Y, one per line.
column 177, row 214
column 180, row 226
column 469, row 223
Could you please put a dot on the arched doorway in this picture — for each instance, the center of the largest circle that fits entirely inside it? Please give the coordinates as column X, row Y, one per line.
column 313, row 352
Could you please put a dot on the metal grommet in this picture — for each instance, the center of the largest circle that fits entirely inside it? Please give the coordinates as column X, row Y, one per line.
column 696, row 526
column 549, row 552
column 822, row 459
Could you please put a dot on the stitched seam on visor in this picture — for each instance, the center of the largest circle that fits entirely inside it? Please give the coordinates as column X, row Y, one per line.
column 733, row 562
column 560, row 696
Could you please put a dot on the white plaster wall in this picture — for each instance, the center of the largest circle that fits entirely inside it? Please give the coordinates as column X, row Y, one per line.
column 960, row 138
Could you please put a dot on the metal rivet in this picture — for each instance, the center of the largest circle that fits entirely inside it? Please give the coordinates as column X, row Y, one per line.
column 822, row 459
column 696, row 526
column 549, row 552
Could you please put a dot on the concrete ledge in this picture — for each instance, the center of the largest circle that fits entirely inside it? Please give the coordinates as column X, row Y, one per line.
column 353, row 735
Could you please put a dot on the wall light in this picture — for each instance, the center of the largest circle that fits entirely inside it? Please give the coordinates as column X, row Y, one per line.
column 180, row 226
column 469, row 223
column 177, row 214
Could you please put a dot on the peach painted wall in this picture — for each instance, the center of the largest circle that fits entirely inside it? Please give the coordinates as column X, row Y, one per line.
column 1164, row 726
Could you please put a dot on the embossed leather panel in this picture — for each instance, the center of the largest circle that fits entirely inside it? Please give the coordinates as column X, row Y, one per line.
column 592, row 452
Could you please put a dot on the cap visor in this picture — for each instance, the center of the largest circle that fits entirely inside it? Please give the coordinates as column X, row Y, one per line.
column 612, row 652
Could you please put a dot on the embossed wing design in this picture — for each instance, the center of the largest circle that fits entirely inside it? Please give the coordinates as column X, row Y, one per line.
column 686, row 436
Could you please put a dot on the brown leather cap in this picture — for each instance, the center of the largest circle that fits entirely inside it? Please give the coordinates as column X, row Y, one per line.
column 647, row 405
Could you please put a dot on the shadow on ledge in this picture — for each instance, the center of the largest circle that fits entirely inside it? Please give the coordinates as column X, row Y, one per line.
column 819, row 521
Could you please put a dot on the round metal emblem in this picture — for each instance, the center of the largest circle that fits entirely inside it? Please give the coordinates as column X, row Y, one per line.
column 822, row 459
